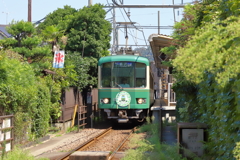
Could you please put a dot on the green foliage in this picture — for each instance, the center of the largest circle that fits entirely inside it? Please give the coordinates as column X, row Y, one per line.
column 59, row 18
column 88, row 39
column 216, row 59
column 220, row 10
column 85, row 69
column 22, row 121
column 24, row 90
column 54, row 36
column 72, row 129
column 53, row 28
column 20, row 30
column 55, row 87
column 17, row 86
column 24, row 95
column 149, row 147
column 26, row 43
column 208, row 85
column 183, row 30
column 17, row 154
column 41, row 110
column 236, row 151
column 207, row 72
column 89, row 32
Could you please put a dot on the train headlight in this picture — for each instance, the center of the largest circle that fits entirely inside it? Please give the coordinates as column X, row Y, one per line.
column 141, row 100
column 105, row 100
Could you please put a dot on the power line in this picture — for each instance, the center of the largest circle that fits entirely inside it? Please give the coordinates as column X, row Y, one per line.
column 125, row 25
column 132, row 35
column 149, row 27
column 131, row 21
column 140, row 28
column 148, row 6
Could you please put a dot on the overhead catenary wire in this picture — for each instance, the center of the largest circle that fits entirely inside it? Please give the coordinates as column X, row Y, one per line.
column 6, row 12
column 126, row 21
column 131, row 21
column 132, row 35
column 120, row 4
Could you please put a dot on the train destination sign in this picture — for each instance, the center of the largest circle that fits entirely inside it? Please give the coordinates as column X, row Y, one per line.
column 123, row 64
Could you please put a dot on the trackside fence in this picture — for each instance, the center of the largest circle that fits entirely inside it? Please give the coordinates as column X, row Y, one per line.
column 6, row 133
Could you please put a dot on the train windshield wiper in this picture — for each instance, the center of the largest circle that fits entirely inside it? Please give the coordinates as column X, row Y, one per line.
column 119, row 85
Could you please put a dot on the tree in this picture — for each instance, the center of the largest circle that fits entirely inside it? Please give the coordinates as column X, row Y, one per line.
column 54, row 36
column 37, row 53
column 25, row 96
column 82, row 67
column 53, row 28
column 89, row 32
column 26, row 43
column 59, row 18
column 81, row 40
column 88, row 39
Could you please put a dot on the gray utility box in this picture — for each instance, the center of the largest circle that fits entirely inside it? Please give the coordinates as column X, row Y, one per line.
column 191, row 137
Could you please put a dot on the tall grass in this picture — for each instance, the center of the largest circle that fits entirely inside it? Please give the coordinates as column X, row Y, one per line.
column 150, row 147
column 19, row 154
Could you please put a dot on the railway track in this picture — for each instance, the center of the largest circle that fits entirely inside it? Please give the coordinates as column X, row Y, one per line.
column 106, row 144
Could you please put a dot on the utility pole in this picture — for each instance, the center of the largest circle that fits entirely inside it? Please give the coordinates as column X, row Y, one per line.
column 89, row 3
column 127, row 25
column 114, row 33
column 158, row 22
column 6, row 17
column 29, row 10
column 174, row 12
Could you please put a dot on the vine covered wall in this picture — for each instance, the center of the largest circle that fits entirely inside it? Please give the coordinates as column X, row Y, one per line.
column 208, row 85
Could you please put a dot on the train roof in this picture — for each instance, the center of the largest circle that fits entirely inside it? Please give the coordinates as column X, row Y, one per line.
column 127, row 58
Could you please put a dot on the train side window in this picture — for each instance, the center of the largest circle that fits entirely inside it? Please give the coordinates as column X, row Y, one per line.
column 140, row 82
column 106, row 74
column 140, row 73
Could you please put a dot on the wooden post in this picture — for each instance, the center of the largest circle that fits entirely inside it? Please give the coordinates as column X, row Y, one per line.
column 74, row 114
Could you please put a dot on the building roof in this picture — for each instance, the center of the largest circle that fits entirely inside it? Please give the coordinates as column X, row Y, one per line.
column 157, row 42
column 3, row 31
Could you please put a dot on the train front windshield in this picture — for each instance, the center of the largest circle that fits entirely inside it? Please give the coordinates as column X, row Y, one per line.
column 123, row 74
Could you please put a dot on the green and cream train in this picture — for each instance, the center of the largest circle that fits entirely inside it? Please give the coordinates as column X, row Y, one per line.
column 125, row 87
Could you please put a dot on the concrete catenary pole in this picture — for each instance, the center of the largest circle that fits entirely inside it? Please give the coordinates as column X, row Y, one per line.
column 158, row 22
column 89, row 3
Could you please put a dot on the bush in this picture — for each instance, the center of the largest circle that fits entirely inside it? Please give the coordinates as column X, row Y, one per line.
column 25, row 96
column 213, row 73
column 150, row 147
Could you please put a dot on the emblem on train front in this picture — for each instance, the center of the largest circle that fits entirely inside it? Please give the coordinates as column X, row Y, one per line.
column 123, row 98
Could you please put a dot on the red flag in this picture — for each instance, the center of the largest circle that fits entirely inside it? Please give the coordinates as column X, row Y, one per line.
column 58, row 60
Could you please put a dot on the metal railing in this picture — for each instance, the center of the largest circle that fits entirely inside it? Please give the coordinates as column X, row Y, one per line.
column 171, row 95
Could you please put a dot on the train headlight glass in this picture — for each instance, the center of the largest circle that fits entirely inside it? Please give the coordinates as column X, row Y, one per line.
column 105, row 100
column 140, row 100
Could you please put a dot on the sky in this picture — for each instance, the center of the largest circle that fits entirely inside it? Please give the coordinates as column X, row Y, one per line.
column 18, row 10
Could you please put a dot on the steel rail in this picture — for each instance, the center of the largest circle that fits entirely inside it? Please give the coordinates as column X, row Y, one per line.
column 116, row 150
column 87, row 143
